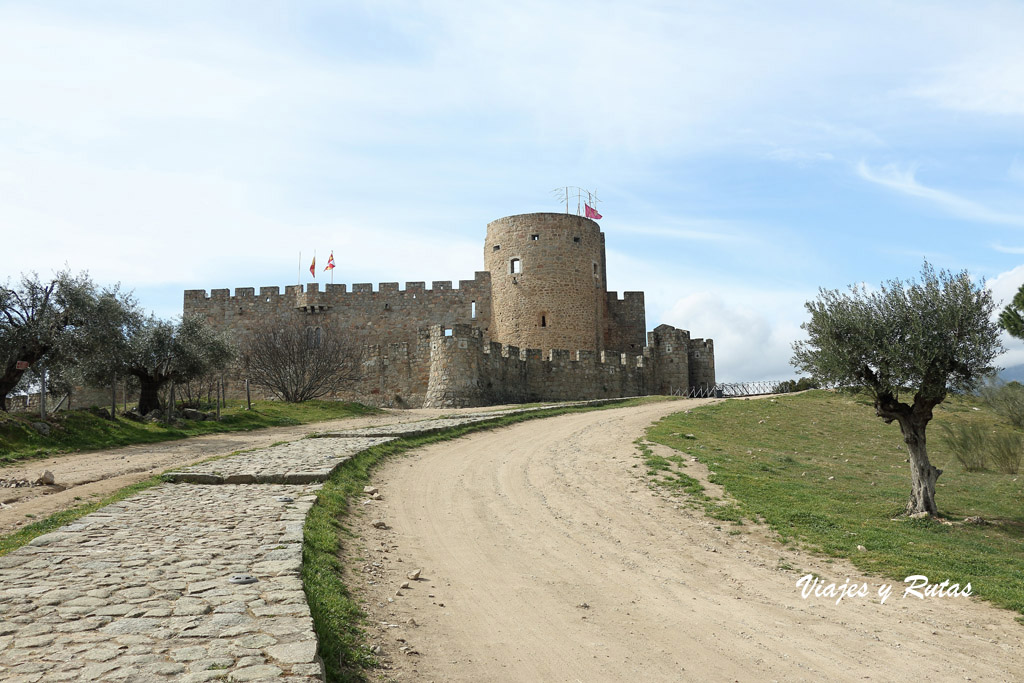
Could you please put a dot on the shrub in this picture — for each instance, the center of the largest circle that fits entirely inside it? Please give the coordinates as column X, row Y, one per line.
column 968, row 443
column 1005, row 400
column 801, row 384
column 1005, row 450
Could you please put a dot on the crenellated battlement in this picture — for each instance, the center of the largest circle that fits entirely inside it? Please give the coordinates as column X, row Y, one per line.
column 539, row 323
column 439, row 333
column 466, row 370
column 245, row 294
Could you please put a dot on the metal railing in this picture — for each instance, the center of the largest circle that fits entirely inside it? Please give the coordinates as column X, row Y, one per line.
column 731, row 390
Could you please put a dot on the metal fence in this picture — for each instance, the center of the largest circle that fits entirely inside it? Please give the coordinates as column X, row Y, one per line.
column 731, row 390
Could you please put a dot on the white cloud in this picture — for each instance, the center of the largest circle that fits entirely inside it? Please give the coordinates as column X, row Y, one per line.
column 1003, row 287
column 1008, row 250
column 699, row 230
column 989, row 82
column 753, row 336
column 905, row 182
column 791, row 155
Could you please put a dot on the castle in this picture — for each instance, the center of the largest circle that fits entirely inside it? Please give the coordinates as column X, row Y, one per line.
column 537, row 324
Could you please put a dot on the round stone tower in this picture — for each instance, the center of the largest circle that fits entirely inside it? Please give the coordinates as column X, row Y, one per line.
column 547, row 281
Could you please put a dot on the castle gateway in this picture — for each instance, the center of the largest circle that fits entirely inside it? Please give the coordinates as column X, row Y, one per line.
column 538, row 324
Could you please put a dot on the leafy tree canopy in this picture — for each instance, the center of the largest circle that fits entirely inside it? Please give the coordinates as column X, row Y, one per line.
column 1012, row 317
column 63, row 324
column 919, row 338
column 160, row 351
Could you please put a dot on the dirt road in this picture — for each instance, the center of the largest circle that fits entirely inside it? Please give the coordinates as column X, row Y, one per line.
column 81, row 477
column 545, row 556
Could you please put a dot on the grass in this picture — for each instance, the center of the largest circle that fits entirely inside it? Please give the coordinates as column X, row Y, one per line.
column 337, row 617
column 81, row 430
column 665, row 473
column 826, row 474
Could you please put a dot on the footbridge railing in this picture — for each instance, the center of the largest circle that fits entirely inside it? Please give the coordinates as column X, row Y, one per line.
column 731, row 390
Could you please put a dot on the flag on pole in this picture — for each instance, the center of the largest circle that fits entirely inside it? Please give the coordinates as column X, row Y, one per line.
column 592, row 213
column 330, row 263
column 312, row 268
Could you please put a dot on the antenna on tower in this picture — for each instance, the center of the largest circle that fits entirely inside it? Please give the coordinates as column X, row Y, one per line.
column 564, row 194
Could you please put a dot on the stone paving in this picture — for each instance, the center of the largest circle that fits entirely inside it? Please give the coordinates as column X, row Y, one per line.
column 299, row 462
column 413, row 428
column 142, row 591
column 186, row 581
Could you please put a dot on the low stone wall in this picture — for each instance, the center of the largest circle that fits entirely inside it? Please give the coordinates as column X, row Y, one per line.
column 466, row 371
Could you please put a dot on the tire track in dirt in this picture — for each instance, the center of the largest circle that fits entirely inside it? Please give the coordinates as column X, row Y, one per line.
column 516, row 529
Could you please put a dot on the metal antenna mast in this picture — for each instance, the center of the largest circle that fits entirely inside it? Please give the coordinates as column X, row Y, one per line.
column 563, row 194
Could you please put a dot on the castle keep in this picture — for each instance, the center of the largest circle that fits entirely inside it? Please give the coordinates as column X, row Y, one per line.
column 537, row 324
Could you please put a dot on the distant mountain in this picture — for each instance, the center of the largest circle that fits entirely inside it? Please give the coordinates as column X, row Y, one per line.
column 1014, row 374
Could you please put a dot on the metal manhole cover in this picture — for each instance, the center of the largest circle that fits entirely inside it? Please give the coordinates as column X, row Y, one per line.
column 242, row 578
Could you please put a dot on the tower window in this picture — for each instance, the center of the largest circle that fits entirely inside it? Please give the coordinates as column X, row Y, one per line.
column 534, row 238
column 472, row 310
column 543, row 320
column 595, row 268
column 515, row 266
column 576, row 240
column 314, row 337
column 496, row 247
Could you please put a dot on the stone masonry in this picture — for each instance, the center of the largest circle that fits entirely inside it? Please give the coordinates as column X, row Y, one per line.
column 188, row 582
column 543, row 295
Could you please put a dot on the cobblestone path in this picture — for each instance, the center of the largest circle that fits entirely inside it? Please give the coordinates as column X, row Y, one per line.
column 189, row 581
column 142, row 590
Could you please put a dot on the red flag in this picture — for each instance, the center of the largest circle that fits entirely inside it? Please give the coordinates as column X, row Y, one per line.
column 592, row 213
column 330, row 263
column 312, row 268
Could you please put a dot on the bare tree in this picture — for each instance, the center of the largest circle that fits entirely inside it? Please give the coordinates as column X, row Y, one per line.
column 301, row 362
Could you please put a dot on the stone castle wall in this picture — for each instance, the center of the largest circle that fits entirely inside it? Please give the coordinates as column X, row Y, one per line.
column 386, row 315
column 388, row 325
column 466, row 370
column 702, row 363
column 626, row 322
column 547, row 281
column 543, row 287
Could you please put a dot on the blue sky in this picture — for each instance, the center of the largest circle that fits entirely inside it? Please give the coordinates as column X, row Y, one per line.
column 746, row 153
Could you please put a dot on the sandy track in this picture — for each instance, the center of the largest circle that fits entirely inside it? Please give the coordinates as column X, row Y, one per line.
column 81, row 477
column 516, row 528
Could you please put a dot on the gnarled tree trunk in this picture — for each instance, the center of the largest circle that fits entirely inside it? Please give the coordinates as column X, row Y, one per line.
column 12, row 375
column 923, row 474
column 149, row 394
column 913, row 421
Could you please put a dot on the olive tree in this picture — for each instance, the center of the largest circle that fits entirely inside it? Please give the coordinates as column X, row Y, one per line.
column 160, row 351
column 64, row 324
column 914, row 341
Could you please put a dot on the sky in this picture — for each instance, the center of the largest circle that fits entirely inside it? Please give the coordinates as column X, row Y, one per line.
column 745, row 154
